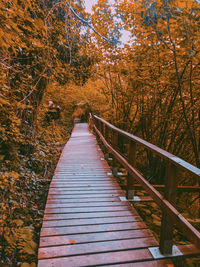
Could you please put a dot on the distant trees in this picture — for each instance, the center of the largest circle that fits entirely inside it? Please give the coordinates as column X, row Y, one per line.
column 40, row 41
column 43, row 51
column 153, row 82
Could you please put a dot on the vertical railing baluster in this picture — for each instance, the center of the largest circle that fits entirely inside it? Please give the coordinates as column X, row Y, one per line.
column 98, row 124
column 101, row 127
column 114, row 145
column 132, row 161
column 166, row 235
column 106, row 135
column 91, row 122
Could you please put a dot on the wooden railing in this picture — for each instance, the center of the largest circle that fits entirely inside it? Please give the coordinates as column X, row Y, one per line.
column 109, row 136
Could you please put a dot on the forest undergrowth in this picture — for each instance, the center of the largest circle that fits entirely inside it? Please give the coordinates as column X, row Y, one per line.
column 24, row 189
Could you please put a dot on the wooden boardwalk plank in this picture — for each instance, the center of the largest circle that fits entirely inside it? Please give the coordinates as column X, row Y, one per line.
column 87, row 186
column 83, row 183
column 85, row 222
column 87, row 215
column 55, row 231
column 83, row 191
column 155, row 263
column 93, row 237
column 82, row 188
column 85, row 200
column 83, row 196
column 108, row 246
column 92, row 221
column 86, row 209
column 80, row 205
column 99, row 259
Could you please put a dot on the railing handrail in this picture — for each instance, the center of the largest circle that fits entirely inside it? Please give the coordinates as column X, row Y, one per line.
column 161, row 152
column 165, row 202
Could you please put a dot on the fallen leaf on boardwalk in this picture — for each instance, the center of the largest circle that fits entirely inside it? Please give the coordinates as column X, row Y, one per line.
column 72, row 242
column 89, row 184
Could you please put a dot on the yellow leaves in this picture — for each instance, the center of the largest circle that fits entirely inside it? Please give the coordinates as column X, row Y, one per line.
column 72, row 242
column 78, row 112
column 22, row 239
column 3, row 206
column 26, row 264
column 37, row 43
column 30, row 249
column 41, row 25
column 184, row 4
column 1, row 157
column 4, row 101
column 14, row 175
column 18, row 222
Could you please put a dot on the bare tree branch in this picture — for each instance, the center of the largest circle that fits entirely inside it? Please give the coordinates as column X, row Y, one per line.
column 88, row 24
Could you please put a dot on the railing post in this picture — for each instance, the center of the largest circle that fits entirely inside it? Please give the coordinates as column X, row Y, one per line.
column 166, row 235
column 97, row 123
column 106, row 136
column 132, row 160
column 106, row 133
column 114, row 145
column 91, row 122
column 101, row 127
column 121, row 143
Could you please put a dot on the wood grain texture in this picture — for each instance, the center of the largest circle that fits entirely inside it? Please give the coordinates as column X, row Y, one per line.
column 55, row 231
column 92, row 221
column 96, row 259
column 85, row 222
column 93, row 237
column 106, row 246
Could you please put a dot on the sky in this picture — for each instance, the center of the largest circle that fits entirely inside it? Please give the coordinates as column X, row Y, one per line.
column 89, row 3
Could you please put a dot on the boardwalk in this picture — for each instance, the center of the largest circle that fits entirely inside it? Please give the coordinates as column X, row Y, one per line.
column 85, row 222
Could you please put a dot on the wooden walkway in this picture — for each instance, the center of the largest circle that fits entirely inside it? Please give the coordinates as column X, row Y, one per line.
column 85, row 222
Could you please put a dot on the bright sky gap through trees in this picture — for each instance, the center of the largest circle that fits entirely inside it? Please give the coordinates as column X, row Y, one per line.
column 90, row 3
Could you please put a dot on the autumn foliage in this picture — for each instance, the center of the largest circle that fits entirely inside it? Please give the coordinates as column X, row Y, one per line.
column 148, row 86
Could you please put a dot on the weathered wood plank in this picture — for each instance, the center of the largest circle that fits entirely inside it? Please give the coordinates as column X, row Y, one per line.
column 79, row 192
column 155, row 263
column 88, row 215
column 93, row 204
column 99, row 258
column 84, row 249
column 91, row 221
column 91, row 228
column 82, row 179
column 85, row 209
column 94, row 237
column 85, row 200
column 84, row 183
column 83, row 187
column 88, row 173
column 83, row 196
